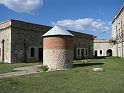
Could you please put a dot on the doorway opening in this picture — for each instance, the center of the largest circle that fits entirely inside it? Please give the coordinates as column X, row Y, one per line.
column 40, row 54
column 3, row 41
column 109, row 52
column 82, row 53
column 95, row 53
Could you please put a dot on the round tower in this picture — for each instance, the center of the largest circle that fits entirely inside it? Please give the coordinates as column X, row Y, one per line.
column 58, row 49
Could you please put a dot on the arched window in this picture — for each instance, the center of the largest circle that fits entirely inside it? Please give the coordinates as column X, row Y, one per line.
column 100, row 51
column 95, row 52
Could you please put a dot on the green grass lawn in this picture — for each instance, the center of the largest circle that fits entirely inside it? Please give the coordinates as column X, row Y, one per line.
column 80, row 79
column 5, row 67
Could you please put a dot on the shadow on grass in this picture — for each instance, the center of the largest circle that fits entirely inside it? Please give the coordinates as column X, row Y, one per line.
column 86, row 64
column 103, row 57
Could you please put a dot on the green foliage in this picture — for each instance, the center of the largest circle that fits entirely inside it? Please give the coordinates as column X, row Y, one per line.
column 44, row 68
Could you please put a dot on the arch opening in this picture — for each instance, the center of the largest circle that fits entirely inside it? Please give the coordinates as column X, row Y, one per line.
column 95, row 53
column 109, row 52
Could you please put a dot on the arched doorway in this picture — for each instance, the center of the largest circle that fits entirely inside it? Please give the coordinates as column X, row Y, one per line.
column 95, row 53
column 109, row 52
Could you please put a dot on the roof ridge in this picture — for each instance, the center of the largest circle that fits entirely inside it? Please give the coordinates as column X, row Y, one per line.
column 58, row 30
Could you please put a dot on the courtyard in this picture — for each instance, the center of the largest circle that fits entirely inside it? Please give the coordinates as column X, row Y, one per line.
column 79, row 79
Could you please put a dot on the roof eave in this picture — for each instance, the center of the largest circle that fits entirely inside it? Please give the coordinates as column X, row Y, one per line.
column 115, row 17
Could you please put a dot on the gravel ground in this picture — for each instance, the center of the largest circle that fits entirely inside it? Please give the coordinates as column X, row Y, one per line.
column 22, row 71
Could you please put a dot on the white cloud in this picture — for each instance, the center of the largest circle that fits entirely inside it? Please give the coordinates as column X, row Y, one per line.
column 22, row 5
column 85, row 24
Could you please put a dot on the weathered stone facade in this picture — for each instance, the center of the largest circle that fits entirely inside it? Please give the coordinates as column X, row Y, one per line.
column 118, row 33
column 22, row 37
column 83, row 47
column 58, row 58
column 5, row 36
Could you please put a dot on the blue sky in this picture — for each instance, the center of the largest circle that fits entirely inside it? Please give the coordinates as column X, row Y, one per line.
column 87, row 16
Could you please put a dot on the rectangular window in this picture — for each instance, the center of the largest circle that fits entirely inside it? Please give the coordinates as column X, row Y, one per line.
column 89, row 50
column 82, row 53
column 32, row 52
column 86, row 51
column 78, row 51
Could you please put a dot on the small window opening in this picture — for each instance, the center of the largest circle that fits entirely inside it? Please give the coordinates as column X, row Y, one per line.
column 32, row 52
column 78, row 51
column 100, row 51
column 86, row 51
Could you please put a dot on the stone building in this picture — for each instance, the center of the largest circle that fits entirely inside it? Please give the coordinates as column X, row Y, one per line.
column 21, row 42
column 58, row 48
column 83, row 45
column 116, row 43
column 103, row 47
column 118, row 33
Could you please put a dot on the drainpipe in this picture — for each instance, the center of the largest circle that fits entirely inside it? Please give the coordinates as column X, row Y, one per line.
column 3, row 50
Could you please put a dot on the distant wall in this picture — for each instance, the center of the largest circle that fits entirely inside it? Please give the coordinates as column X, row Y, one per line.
column 102, row 45
column 83, row 48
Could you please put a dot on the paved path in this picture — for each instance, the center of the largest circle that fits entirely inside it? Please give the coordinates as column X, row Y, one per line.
column 22, row 71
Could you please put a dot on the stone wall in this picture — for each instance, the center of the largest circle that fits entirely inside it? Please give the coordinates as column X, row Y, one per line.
column 22, row 41
column 58, row 52
column 119, row 49
column 85, row 44
column 5, row 34
column 32, row 33
column 24, row 37
column 102, row 45
column 118, row 32
column 57, row 59
column 21, row 36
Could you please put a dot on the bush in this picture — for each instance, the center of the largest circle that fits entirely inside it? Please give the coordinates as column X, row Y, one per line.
column 44, row 68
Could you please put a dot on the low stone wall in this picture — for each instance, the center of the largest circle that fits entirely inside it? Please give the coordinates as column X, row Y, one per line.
column 57, row 59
